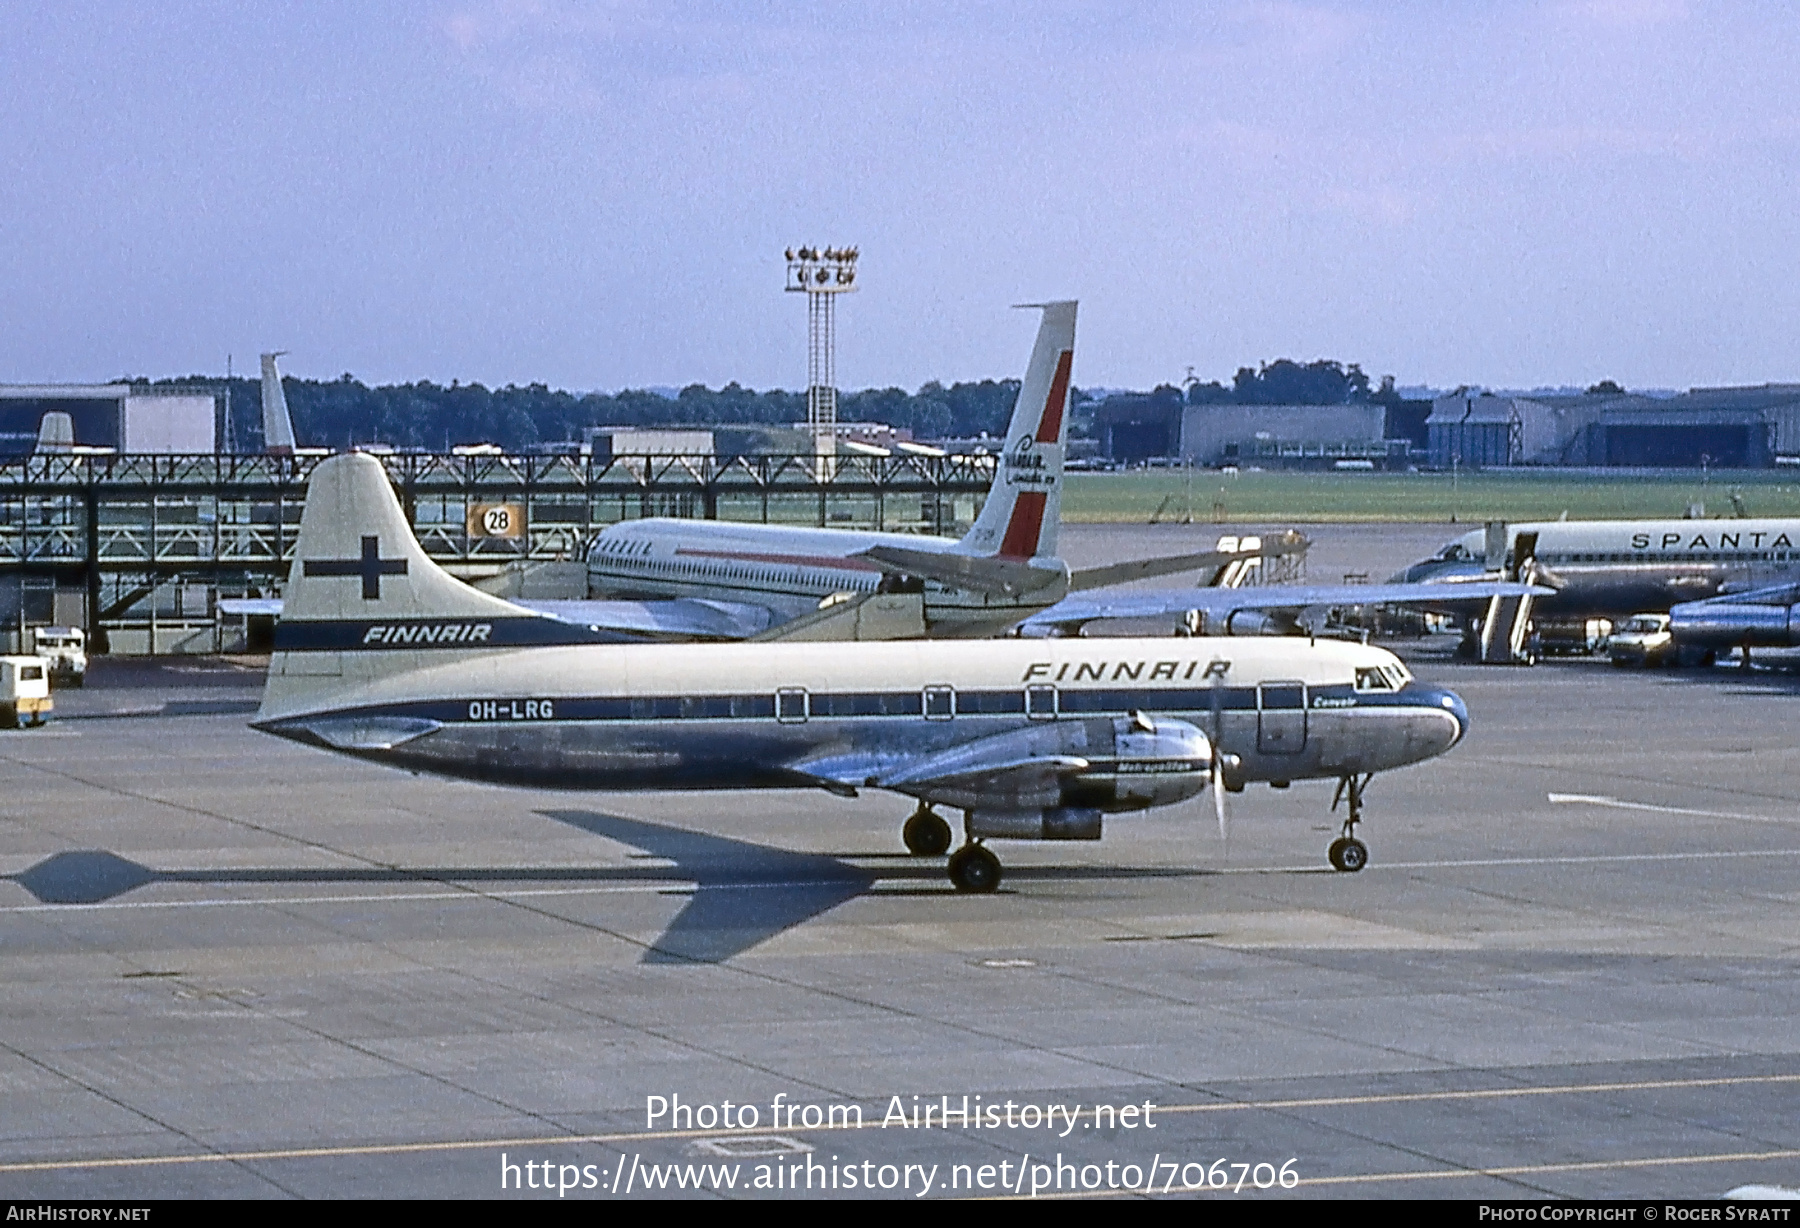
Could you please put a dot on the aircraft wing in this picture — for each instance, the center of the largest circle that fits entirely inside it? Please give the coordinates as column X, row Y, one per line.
column 974, row 767
column 1002, row 577
column 682, row 618
column 1021, row 775
column 1073, row 612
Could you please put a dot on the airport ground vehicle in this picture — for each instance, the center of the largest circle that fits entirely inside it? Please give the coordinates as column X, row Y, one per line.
column 1642, row 639
column 24, row 692
column 64, row 650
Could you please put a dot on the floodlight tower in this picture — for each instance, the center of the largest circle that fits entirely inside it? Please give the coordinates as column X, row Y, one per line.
column 821, row 275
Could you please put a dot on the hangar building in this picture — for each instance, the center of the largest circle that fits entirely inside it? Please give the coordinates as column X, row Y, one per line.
column 1137, row 428
column 1282, row 434
column 125, row 417
column 1726, row 428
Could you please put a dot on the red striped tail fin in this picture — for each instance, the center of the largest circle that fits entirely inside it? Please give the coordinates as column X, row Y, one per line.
column 1024, row 506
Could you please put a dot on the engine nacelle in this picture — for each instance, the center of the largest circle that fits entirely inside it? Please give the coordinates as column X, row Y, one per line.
column 1722, row 624
column 1154, row 763
column 1054, row 823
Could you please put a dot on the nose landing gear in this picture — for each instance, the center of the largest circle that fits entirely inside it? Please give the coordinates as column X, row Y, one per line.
column 1347, row 853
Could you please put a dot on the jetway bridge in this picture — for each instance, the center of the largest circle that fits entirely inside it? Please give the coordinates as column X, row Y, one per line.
column 138, row 549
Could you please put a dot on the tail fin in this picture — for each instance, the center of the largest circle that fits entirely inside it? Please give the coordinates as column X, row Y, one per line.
column 56, row 434
column 1024, row 507
column 363, row 601
column 278, row 428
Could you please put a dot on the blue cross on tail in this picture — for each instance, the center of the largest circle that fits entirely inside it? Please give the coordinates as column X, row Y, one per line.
column 371, row 567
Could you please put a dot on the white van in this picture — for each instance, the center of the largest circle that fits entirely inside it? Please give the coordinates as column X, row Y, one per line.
column 64, row 650
column 24, row 692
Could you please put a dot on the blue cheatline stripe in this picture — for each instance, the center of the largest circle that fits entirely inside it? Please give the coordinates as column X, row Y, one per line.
column 412, row 634
column 1192, row 705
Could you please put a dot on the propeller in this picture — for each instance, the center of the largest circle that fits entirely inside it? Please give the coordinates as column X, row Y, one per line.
column 1217, row 768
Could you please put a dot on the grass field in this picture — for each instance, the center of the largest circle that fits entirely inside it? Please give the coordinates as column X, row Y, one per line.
column 1134, row 498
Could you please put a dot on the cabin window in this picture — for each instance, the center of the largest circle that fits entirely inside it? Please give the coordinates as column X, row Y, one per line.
column 940, row 703
column 790, row 704
column 1040, row 703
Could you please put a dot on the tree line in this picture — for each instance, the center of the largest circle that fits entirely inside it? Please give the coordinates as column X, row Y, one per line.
column 344, row 412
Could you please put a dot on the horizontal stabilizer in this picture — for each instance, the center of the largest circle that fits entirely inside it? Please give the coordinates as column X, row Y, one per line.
column 999, row 577
column 1173, row 564
column 683, row 618
column 250, row 607
column 369, row 732
column 865, row 617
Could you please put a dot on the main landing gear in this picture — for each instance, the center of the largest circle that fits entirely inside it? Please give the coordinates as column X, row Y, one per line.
column 972, row 867
column 926, row 834
column 1347, row 853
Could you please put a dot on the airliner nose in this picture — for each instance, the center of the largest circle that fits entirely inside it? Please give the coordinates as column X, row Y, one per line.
column 1451, row 703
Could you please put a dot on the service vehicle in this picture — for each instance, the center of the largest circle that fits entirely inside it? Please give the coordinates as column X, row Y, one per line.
column 64, row 650
column 1642, row 639
column 24, row 692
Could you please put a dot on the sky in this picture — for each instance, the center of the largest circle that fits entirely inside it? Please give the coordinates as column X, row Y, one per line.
column 597, row 195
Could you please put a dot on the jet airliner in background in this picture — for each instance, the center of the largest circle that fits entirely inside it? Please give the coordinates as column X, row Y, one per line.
column 708, row 579
column 1615, row 568
column 383, row 655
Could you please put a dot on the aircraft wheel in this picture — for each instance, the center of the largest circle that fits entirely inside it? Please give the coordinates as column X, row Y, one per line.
column 1347, row 854
column 974, row 869
column 926, row 834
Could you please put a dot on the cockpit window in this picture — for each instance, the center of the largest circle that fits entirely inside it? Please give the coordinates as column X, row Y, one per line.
column 1398, row 673
column 1455, row 552
column 1373, row 678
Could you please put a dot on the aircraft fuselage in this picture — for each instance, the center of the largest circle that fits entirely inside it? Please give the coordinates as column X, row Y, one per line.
column 785, row 569
column 779, row 715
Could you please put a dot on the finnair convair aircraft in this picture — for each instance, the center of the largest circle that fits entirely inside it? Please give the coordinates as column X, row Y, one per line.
column 382, row 655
